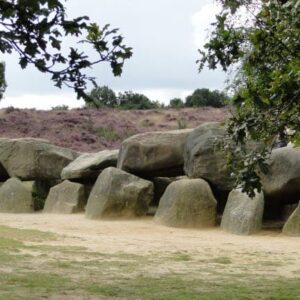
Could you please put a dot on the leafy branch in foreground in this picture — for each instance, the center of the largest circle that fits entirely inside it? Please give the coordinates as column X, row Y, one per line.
column 35, row 29
column 263, row 50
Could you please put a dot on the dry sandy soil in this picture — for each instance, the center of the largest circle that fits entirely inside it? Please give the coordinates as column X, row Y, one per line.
column 144, row 237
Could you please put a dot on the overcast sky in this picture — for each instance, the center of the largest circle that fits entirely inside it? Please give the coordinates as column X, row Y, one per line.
column 164, row 35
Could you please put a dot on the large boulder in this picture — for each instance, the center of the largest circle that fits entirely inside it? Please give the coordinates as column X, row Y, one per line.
column 203, row 157
column 117, row 193
column 65, row 198
column 292, row 226
column 282, row 181
column 187, row 203
column 154, row 154
column 243, row 215
column 30, row 159
column 15, row 197
column 88, row 166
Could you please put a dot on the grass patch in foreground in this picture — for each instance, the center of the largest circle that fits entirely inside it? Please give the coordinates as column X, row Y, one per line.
column 40, row 270
column 175, row 287
column 26, row 235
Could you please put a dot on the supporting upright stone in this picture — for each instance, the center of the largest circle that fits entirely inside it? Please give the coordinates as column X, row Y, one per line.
column 65, row 198
column 15, row 197
column 118, row 194
column 243, row 215
column 292, row 226
column 187, row 203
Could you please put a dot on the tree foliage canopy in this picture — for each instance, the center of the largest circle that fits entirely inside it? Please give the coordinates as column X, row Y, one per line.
column 176, row 103
column 263, row 50
column 102, row 96
column 131, row 100
column 205, row 97
column 36, row 29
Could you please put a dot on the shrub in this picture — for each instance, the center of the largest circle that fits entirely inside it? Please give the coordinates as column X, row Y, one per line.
column 131, row 100
column 60, row 107
column 102, row 96
column 205, row 97
column 181, row 124
column 147, row 123
column 108, row 134
column 176, row 103
column 10, row 109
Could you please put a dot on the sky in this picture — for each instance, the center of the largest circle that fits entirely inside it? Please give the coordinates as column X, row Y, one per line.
column 165, row 36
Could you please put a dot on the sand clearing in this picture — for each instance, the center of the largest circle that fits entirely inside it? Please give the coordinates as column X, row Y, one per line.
column 143, row 236
column 268, row 253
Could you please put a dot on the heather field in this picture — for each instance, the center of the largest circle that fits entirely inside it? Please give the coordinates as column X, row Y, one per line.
column 90, row 130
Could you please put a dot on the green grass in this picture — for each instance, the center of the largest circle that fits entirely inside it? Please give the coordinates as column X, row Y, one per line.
column 26, row 234
column 221, row 260
column 108, row 134
column 33, row 268
column 181, row 256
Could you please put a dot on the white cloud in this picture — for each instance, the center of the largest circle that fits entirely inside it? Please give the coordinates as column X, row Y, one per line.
column 202, row 20
column 164, row 35
column 44, row 102
column 165, row 95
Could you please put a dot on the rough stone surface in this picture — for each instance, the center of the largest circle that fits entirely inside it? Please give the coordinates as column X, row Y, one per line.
column 119, row 194
column 243, row 215
column 292, row 226
column 31, row 159
column 283, row 178
column 154, row 154
column 15, row 197
column 187, row 203
column 90, row 165
column 65, row 198
column 204, row 159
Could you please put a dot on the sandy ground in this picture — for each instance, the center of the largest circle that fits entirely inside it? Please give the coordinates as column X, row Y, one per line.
column 143, row 235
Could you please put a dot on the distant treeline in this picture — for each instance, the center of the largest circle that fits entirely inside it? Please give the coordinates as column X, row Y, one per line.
column 103, row 96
